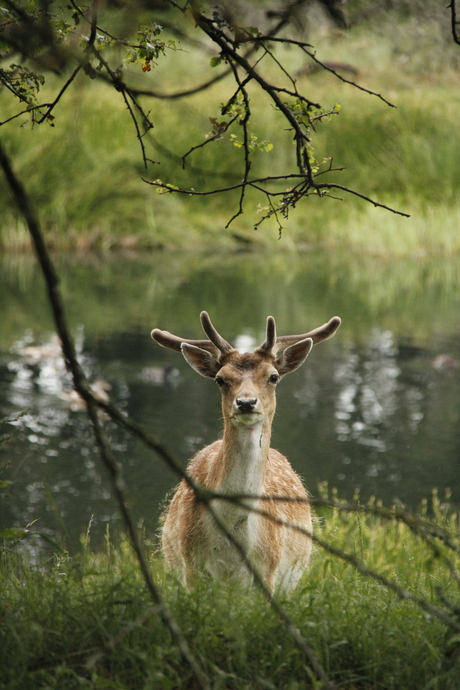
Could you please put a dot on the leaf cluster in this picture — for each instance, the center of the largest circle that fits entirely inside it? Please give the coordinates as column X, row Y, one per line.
column 78, row 38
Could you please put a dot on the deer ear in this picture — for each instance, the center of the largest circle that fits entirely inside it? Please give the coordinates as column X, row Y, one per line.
column 200, row 360
column 293, row 356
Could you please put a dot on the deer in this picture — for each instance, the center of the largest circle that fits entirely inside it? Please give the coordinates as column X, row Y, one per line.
column 242, row 463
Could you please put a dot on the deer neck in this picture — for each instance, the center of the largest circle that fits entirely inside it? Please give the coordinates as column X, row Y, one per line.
column 245, row 451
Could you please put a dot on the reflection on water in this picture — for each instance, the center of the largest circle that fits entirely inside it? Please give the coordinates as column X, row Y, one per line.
column 376, row 408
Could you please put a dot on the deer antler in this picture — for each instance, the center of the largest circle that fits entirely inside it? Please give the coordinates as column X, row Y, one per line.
column 215, row 345
column 319, row 334
column 173, row 342
column 274, row 345
column 222, row 345
column 270, row 339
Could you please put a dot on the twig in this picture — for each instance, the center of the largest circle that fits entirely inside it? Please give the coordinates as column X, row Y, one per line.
column 25, row 112
column 247, row 159
column 300, row 641
column 347, row 81
column 419, row 526
column 82, row 387
column 357, row 564
column 275, row 178
column 454, row 22
column 304, row 47
column 331, row 185
column 59, row 96
column 224, row 127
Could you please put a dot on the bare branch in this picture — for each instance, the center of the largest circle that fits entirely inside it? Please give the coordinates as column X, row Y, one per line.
column 305, row 48
column 455, row 23
column 347, row 81
column 59, row 96
column 299, row 640
column 82, row 387
column 352, row 560
column 264, row 180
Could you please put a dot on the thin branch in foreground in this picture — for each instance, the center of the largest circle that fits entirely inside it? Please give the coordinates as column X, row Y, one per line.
column 299, row 640
column 276, row 178
column 428, row 531
column 305, row 48
column 52, row 105
column 455, row 23
column 356, row 563
column 82, row 387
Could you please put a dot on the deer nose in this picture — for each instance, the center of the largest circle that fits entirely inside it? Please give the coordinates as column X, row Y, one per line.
column 246, row 405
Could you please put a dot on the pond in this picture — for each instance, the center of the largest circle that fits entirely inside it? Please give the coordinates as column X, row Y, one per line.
column 375, row 409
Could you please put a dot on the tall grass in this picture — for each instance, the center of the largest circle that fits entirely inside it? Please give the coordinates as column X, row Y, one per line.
column 87, row 622
column 85, row 172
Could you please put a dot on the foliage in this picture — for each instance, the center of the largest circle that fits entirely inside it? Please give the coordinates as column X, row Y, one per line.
column 87, row 621
column 99, row 200
column 38, row 605
column 122, row 48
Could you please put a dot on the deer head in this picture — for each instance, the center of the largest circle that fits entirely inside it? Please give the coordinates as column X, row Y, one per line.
column 247, row 381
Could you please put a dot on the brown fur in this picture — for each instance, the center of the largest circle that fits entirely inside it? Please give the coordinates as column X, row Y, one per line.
column 242, row 463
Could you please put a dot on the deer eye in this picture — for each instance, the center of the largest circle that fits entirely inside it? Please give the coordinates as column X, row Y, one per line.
column 220, row 381
column 274, row 378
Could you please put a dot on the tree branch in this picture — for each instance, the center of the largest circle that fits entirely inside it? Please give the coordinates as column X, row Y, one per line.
column 265, row 180
column 82, row 387
column 455, row 23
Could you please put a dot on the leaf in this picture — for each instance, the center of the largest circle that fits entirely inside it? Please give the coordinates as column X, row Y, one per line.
column 13, row 533
column 215, row 61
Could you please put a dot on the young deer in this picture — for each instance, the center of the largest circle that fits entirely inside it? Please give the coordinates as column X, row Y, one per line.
column 242, row 463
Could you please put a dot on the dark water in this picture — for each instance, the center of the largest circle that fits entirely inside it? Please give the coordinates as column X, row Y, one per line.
column 377, row 408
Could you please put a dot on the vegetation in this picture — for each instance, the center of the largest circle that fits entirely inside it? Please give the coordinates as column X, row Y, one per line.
column 379, row 606
column 84, row 171
column 87, row 621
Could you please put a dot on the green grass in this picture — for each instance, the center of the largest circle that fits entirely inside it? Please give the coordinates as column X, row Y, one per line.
column 87, row 622
column 84, row 173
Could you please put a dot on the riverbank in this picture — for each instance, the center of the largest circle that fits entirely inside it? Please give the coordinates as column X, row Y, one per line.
column 86, row 621
column 85, row 173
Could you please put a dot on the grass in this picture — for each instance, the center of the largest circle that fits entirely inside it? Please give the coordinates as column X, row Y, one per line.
column 87, row 622
column 84, row 174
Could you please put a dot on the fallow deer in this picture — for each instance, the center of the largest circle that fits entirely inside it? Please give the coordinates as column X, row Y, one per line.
column 242, row 463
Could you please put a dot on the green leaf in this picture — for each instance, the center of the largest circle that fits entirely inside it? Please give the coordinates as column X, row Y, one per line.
column 13, row 533
column 215, row 61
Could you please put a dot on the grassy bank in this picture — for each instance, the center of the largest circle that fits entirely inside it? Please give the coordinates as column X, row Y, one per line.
column 85, row 172
column 138, row 290
column 87, row 622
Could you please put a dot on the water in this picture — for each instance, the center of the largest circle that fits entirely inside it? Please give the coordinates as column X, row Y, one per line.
column 377, row 408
